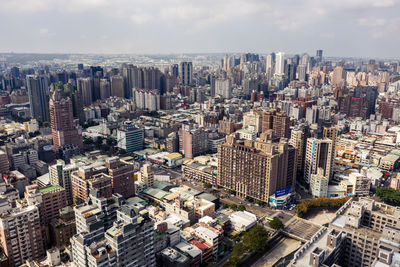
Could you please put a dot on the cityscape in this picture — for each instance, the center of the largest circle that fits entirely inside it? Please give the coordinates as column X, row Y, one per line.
column 143, row 153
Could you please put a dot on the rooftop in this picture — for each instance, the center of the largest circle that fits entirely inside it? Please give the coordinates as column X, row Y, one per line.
column 49, row 189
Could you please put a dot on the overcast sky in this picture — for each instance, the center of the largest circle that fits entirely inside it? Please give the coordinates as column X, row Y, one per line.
column 367, row 28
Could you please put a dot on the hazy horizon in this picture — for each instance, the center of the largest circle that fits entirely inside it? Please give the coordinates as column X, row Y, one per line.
column 356, row 28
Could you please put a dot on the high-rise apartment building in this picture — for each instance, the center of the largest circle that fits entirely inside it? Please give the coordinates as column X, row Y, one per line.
column 280, row 63
column 87, row 178
column 279, row 122
column 63, row 129
column 298, row 140
column 318, row 55
column 253, row 119
column 105, row 89
column 223, row 88
column 21, row 234
column 117, row 86
column 37, row 91
column 146, row 175
column 270, row 63
column 85, row 89
column 4, row 163
column 193, row 140
column 319, row 158
column 122, row 177
column 60, row 174
column 130, row 138
column 186, row 73
column 258, row 168
column 132, row 237
column 362, row 233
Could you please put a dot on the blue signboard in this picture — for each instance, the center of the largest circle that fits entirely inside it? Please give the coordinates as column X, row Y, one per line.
column 284, row 191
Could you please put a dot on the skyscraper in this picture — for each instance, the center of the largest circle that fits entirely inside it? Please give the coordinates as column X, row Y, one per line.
column 186, row 72
column 270, row 63
column 319, row 55
column 130, row 138
column 105, row 89
column 85, row 89
column 193, row 140
column 62, row 122
column 280, row 63
column 37, row 90
column 117, row 86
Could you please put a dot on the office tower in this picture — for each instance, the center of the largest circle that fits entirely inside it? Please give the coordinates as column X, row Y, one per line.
column 37, row 90
column 298, row 140
column 130, row 138
column 319, row 158
column 122, row 177
column 105, row 89
column 318, row 55
column 280, row 64
column 186, row 73
column 80, row 66
column 223, row 88
column 85, row 89
column 339, row 76
column 62, row 122
column 279, row 122
column 4, row 163
column 305, row 59
column 193, row 140
column 256, row 169
column 270, row 63
column 132, row 237
column 88, row 178
column 21, row 234
column 117, row 86
column 146, row 175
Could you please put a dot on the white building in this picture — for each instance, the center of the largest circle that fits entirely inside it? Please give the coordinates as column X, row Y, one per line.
column 280, row 63
column 243, row 220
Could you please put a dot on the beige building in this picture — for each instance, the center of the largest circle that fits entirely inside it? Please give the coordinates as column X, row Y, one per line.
column 319, row 155
column 363, row 233
column 258, row 168
column 146, row 175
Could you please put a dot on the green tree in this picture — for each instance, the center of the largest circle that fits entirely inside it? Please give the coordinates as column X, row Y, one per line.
column 233, row 207
column 241, row 208
column 232, row 262
column 238, row 250
column 389, row 195
column 225, row 205
column 207, row 185
column 276, row 224
column 256, row 239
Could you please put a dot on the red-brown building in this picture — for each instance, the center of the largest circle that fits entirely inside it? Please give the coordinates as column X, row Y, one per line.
column 62, row 122
column 122, row 177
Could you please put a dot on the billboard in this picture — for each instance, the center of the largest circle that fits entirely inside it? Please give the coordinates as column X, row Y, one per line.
column 284, row 191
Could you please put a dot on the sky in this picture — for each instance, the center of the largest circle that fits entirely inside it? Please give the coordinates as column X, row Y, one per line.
column 358, row 28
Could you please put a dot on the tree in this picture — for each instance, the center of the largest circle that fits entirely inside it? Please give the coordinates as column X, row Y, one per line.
column 233, row 207
column 241, row 208
column 256, row 239
column 389, row 195
column 238, row 250
column 232, row 262
column 207, row 185
column 225, row 205
column 232, row 192
column 276, row 224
